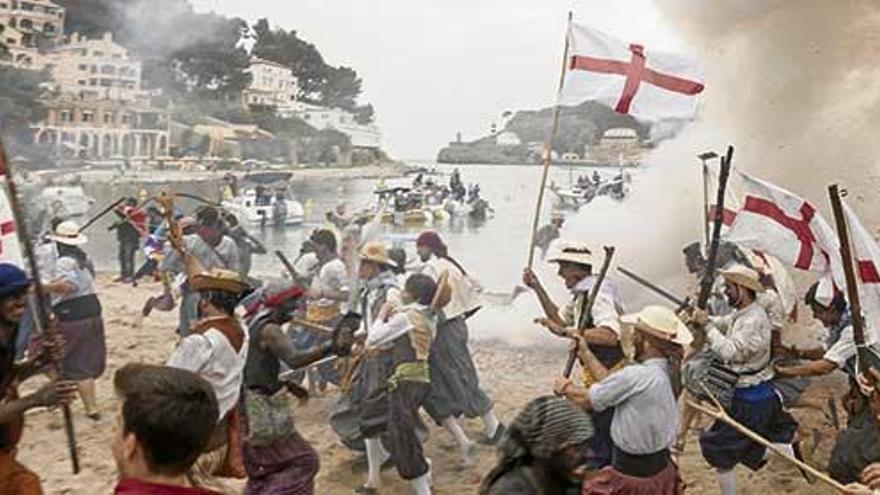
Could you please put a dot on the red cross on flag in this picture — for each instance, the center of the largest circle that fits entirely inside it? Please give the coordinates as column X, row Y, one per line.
column 10, row 249
column 781, row 224
column 629, row 78
column 866, row 258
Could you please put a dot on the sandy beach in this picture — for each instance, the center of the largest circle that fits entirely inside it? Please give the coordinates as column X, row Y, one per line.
column 511, row 375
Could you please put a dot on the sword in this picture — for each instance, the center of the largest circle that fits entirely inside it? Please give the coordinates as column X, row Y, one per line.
column 656, row 289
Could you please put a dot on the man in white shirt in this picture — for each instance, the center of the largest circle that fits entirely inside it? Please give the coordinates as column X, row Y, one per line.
column 217, row 350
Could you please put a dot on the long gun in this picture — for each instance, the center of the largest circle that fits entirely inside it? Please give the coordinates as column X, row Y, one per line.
column 709, row 276
column 656, row 289
column 42, row 322
column 587, row 308
column 101, row 214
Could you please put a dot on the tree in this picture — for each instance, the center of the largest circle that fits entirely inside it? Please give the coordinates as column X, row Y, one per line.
column 364, row 114
column 341, row 88
column 286, row 48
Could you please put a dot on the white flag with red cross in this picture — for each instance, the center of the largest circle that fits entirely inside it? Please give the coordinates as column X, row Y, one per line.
column 10, row 249
column 629, row 78
column 866, row 260
column 781, row 224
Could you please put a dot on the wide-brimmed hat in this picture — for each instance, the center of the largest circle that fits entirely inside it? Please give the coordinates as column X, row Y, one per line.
column 219, row 279
column 743, row 276
column 67, row 232
column 377, row 253
column 12, row 280
column 660, row 322
column 573, row 252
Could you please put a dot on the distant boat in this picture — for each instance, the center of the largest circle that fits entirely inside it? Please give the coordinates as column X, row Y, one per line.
column 266, row 205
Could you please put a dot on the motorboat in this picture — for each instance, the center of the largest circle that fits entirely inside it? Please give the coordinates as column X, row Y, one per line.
column 266, row 204
column 65, row 201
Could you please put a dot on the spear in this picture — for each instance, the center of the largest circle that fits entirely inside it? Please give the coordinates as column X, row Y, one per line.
column 42, row 322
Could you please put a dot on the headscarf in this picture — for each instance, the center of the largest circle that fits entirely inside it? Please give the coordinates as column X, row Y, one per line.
column 274, row 294
column 545, row 426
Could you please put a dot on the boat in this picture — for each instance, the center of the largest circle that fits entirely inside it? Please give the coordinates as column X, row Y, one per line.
column 65, row 201
column 266, row 204
column 572, row 198
column 407, row 207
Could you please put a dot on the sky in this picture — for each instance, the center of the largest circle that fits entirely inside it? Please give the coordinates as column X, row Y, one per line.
column 432, row 68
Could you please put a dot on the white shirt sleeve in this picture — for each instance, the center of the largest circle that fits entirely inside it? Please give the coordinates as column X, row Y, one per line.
column 842, row 350
column 192, row 353
column 742, row 342
column 614, row 389
column 382, row 333
column 604, row 314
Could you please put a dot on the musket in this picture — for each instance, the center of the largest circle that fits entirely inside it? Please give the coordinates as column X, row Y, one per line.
column 660, row 291
column 587, row 308
column 709, row 276
column 101, row 214
column 42, row 322
column 287, row 264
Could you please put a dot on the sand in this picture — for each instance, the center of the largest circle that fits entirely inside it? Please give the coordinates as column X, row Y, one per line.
column 512, row 376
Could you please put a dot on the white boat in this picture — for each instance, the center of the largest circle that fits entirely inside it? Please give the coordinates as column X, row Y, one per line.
column 266, row 206
column 65, row 201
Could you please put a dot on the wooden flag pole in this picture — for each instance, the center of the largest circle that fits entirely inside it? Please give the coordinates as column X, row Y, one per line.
column 42, row 322
column 548, row 146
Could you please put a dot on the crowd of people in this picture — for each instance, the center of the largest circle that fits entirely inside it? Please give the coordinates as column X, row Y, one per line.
column 391, row 335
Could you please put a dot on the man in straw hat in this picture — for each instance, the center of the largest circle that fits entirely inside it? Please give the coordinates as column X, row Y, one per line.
column 277, row 459
column 641, row 461
column 859, row 444
column 455, row 390
column 14, row 477
column 575, row 267
column 216, row 348
column 742, row 341
column 543, row 452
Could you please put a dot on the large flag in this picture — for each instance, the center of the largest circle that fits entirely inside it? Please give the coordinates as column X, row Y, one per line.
column 866, row 260
column 781, row 224
column 10, row 249
column 629, row 78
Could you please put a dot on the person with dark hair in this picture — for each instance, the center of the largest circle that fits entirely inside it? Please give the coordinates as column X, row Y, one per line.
column 601, row 330
column 455, row 390
column 212, row 249
column 69, row 281
column 408, row 330
column 543, row 452
column 166, row 417
column 859, row 444
column 130, row 227
column 398, row 255
column 216, row 349
column 742, row 340
column 247, row 245
column 641, row 461
column 277, row 459
column 14, row 477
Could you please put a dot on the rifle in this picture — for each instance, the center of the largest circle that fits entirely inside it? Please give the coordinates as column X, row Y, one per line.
column 287, row 264
column 587, row 308
column 709, row 277
column 680, row 303
column 42, row 321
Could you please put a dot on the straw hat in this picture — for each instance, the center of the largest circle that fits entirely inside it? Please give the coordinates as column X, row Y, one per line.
column 743, row 276
column 573, row 252
column 377, row 253
column 67, row 232
column 661, row 322
column 219, row 279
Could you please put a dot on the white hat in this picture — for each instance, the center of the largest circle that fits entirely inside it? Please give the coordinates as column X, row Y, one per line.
column 744, row 276
column 573, row 252
column 661, row 322
column 67, row 232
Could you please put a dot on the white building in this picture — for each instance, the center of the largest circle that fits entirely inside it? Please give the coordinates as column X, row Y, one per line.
column 27, row 22
column 95, row 68
column 507, row 138
column 272, row 85
column 362, row 136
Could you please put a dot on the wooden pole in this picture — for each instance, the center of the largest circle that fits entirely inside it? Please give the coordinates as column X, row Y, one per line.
column 706, row 202
column 548, row 146
column 587, row 308
column 101, row 214
column 721, row 415
column 42, row 322
column 711, row 257
column 852, row 284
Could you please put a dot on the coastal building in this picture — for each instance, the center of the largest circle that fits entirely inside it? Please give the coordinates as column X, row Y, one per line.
column 103, row 129
column 272, row 85
column 507, row 138
column 95, row 69
column 28, row 24
column 617, row 146
column 362, row 136
column 214, row 138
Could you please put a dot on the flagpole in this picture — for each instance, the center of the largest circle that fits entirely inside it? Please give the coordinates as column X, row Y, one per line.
column 42, row 321
column 548, row 145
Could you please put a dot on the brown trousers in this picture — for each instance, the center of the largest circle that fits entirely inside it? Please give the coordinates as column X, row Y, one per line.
column 15, row 479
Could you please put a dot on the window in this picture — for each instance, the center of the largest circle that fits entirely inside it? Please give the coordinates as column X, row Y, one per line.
column 12, row 22
column 81, row 82
column 26, row 24
column 4, row 5
column 88, row 117
column 65, row 116
column 84, row 52
column 93, row 82
column 83, row 67
column 125, row 118
column 93, row 69
column 48, row 28
column 98, row 54
column 10, row 41
column 108, row 118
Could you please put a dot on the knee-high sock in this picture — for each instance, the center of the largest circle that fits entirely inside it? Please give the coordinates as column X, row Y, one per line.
column 452, row 426
column 490, row 424
column 422, row 484
column 727, row 481
column 376, row 456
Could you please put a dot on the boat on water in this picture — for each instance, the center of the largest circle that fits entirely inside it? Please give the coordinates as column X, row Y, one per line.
column 585, row 190
column 65, row 201
column 265, row 202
